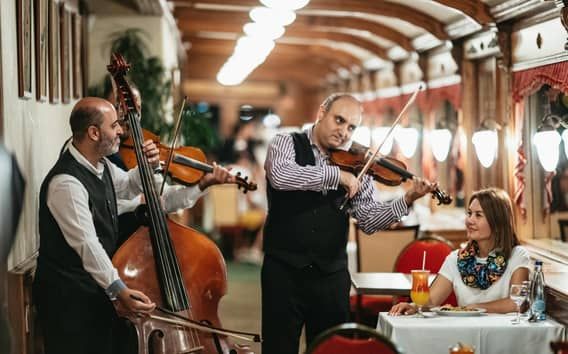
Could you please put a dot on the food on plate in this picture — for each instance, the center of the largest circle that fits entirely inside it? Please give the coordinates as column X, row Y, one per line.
column 456, row 308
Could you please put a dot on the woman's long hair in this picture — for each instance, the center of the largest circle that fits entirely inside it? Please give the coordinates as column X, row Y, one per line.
column 498, row 210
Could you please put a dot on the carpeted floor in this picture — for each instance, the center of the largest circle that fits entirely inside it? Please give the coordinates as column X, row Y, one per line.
column 240, row 308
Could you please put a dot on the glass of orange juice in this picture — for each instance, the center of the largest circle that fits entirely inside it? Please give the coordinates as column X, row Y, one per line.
column 420, row 292
column 462, row 349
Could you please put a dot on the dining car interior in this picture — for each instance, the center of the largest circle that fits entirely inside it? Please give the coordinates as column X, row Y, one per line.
column 283, row 176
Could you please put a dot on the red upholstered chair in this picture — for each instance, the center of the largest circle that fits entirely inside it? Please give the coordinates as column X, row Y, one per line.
column 351, row 338
column 437, row 248
column 559, row 347
column 378, row 253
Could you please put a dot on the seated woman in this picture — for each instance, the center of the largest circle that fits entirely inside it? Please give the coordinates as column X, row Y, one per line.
column 481, row 273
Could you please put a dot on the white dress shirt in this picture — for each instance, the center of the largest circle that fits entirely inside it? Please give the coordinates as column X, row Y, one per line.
column 68, row 202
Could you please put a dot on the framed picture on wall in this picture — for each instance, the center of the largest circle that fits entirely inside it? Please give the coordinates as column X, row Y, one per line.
column 41, row 34
column 76, row 33
column 54, row 52
column 24, row 28
column 64, row 20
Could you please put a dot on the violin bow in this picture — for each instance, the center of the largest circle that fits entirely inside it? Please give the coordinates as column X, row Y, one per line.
column 372, row 156
column 174, row 141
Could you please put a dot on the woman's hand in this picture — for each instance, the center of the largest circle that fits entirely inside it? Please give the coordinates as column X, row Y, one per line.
column 402, row 308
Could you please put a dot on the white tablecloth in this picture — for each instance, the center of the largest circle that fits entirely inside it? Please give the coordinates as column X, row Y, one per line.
column 490, row 334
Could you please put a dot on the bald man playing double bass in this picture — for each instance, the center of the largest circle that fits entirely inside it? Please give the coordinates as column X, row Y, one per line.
column 75, row 280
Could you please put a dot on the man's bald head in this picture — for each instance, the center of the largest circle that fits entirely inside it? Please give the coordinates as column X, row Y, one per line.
column 88, row 111
column 334, row 97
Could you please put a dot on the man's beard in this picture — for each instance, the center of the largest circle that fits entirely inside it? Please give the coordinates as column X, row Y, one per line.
column 108, row 146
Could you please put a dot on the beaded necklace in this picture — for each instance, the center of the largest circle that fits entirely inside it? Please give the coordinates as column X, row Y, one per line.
column 476, row 274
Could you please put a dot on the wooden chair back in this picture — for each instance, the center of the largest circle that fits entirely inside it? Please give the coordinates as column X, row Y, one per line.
column 378, row 252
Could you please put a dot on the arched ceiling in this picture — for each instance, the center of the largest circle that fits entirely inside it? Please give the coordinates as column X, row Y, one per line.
column 328, row 34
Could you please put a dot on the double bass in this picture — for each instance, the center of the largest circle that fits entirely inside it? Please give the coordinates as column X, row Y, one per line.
column 178, row 268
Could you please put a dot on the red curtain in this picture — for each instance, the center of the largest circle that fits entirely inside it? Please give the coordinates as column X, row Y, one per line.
column 519, row 183
column 427, row 101
column 383, row 104
column 527, row 82
column 436, row 96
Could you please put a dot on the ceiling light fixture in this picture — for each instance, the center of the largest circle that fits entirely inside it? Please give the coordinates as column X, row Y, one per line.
column 285, row 4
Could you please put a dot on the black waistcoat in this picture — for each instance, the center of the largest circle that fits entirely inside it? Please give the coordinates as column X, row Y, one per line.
column 58, row 263
column 305, row 227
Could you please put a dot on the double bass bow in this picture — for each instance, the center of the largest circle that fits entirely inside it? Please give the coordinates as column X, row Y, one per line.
column 181, row 270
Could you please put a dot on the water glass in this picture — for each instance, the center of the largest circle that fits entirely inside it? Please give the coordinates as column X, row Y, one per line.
column 518, row 294
column 526, row 304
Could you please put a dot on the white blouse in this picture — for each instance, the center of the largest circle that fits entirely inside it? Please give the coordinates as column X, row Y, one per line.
column 467, row 295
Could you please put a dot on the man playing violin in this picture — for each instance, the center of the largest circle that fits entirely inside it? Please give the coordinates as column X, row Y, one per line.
column 304, row 278
column 175, row 197
column 75, row 280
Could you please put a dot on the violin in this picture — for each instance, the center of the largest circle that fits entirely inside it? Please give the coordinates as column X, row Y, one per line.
column 188, row 166
column 385, row 170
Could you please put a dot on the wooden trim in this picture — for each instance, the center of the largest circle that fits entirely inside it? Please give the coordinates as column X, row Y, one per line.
column 555, row 257
column 529, row 64
column 375, row 28
column 193, row 20
column 340, row 37
column 477, row 10
column 297, row 30
column 383, row 8
column 226, row 47
column 516, row 8
column 482, row 45
column 557, row 305
column 21, row 313
column 539, row 17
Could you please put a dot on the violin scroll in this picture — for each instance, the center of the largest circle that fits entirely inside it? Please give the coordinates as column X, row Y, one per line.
column 442, row 197
column 244, row 184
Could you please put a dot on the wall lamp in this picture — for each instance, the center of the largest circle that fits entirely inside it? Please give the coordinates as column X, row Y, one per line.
column 407, row 140
column 486, row 142
column 440, row 141
column 547, row 141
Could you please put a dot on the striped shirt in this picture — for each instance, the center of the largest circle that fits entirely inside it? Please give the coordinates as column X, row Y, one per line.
column 283, row 173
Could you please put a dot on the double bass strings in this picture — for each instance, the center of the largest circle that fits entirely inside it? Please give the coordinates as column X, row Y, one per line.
column 160, row 233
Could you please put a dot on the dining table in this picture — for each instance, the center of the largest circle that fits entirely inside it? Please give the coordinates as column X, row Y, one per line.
column 488, row 333
column 398, row 284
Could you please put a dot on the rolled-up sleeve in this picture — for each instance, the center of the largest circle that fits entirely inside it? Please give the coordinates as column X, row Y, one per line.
column 71, row 212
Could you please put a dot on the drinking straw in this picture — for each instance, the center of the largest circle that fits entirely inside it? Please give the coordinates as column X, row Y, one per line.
column 424, row 260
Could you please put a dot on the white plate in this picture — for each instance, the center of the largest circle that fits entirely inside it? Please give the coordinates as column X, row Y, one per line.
column 475, row 312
